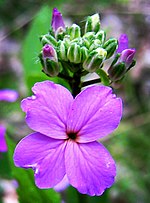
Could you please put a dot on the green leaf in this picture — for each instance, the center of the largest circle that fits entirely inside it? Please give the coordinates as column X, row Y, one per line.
column 31, row 46
column 103, row 76
column 4, row 165
column 27, row 190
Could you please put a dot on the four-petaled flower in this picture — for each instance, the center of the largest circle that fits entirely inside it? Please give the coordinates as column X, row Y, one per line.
column 64, row 147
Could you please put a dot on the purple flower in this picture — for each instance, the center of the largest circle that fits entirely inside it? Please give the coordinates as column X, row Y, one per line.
column 8, row 95
column 64, row 148
column 3, row 145
column 57, row 21
column 122, row 43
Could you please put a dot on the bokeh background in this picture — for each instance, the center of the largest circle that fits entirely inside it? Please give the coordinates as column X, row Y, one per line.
column 21, row 24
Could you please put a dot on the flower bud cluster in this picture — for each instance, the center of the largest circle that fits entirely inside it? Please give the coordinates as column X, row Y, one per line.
column 70, row 47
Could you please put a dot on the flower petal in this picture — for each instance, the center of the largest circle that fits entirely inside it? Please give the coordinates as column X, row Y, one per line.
column 8, row 95
column 62, row 185
column 89, row 167
column 96, row 112
column 44, row 155
column 3, row 145
column 122, row 43
column 47, row 110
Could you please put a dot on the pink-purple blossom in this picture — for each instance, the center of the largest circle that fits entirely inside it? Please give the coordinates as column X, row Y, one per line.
column 8, row 95
column 3, row 145
column 64, row 150
column 122, row 43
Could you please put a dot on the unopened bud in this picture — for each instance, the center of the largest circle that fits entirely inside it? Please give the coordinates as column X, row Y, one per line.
column 95, row 44
column 74, row 53
column 84, row 53
column 116, row 72
column 49, row 52
column 86, row 43
column 92, row 23
column 62, row 53
column 57, row 24
column 89, row 36
column 101, row 35
column 94, row 60
column 48, row 39
column 127, row 56
column 123, row 64
column 110, row 46
column 74, row 31
column 49, row 61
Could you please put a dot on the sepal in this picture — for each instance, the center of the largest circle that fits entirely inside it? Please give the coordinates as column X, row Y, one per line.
column 110, row 46
column 92, row 23
column 74, row 53
column 95, row 60
column 74, row 31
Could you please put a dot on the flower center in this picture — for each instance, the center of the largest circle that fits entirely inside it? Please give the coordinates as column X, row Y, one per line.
column 72, row 135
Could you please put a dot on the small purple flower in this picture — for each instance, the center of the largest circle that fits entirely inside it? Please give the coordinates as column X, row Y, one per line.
column 8, row 95
column 64, row 148
column 122, row 43
column 3, row 145
column 57, row 21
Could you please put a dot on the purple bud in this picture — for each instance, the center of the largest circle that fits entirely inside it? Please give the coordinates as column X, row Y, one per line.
column 3, row 145
column 122, row 43
column 8, row 95
column 127, row 56
column 49, row 52
column 57, row 21
column 50, row 61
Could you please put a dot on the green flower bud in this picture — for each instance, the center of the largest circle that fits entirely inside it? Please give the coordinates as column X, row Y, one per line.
column 62, row 51
column 117, row 71
column 78, row 41
column 86, row 43
column 110, row 46
column 49, row 60
column 51, row 68
column 84, row 53
column 89, row 36
column 94, row 60
column 67, row 40
column 92, row 23
column 95, row 44
column 74, row 53
column 48, row 39
column 101, row 35
column 74, row 31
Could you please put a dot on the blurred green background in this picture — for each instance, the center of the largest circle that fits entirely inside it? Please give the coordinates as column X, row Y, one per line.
column 21, row 24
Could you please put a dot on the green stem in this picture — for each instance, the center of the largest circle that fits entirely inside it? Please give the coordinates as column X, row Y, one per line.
column 90, row 82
